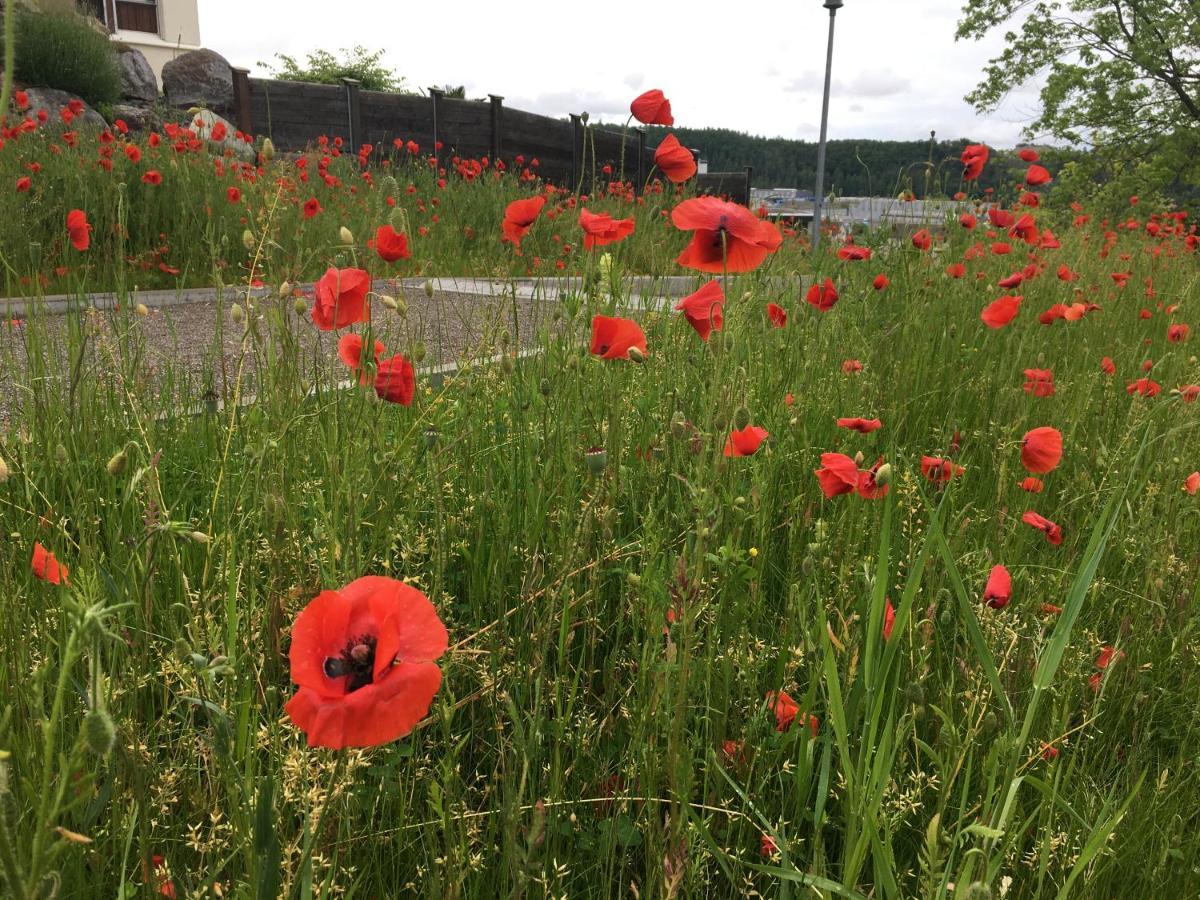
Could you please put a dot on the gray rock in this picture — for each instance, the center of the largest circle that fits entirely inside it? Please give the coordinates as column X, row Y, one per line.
column 199, row 78
column 54, row 101
column 138, row 118
column 205, row 121
column 137, row 78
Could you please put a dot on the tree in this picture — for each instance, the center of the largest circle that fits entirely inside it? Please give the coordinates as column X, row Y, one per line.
column 322, row 67
column 1113, row 68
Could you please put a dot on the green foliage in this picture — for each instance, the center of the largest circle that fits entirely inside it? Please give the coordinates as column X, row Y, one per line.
column 322, row 67
column 64, row 52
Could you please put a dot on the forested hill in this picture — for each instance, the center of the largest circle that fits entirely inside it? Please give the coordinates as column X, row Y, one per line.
column 853, row 167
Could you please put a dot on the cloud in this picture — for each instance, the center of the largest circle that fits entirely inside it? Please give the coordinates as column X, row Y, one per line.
column 562, row 103
column 875, row 84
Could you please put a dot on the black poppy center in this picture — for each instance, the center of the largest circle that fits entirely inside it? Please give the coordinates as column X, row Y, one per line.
column 356, row 663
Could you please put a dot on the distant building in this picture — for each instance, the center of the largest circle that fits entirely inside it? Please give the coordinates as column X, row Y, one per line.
column 160, row 29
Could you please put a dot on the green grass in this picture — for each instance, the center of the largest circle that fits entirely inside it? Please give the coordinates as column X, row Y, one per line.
column 576, row 745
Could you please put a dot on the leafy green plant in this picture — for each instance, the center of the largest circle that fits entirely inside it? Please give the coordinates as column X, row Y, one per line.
column 322, row 67
column 64, row 52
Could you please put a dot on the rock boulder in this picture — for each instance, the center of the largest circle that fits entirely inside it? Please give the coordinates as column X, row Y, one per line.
column 138, row 83
column 55, row 101
column 199, row 78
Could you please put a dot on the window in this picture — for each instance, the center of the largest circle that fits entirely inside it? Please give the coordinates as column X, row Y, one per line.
column 137, row 15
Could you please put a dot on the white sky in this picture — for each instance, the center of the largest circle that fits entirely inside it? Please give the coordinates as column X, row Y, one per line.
column 756, row 67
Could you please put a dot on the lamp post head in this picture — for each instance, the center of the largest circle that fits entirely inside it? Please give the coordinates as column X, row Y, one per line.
column 833, row 5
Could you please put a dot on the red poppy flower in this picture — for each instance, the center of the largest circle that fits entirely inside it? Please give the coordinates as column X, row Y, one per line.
column 652, row 108
column 1145, row 387
column 1026, row 229
column 1178, row 333
column 853, row 253
column 1000, row 312
column 1028, row 154
column 1189, row 392
column 851, row 366
column 726, row 237
column 974, row 158
column 881, row 282
column 390, row 244
column 311, row 207
column 1032, row 485
column 1001, row 248
column 838, row 475
column 78, row 229
column 703, row 309
column 922, row 240
column 233, row 194
column 862, row 426
column 677, row 162
column 785, row 709
column 998, row 590
column 1191, row 484
column 23, row 184
column 956, row 270
column 746, row 441
column 46, row 567
column 967, row 221
column 350, row 351
column 152, row 178
column 939, row 470
column 600, row 229
column 777, row 315
column 395, row 380
column 766, row 845
column 1039, row 382
column 1036, row 175
column 519, row 217
column 1041, row 450
column 364, row 660
column 341, row 298
column 822, row 296
column 617, row 338
column 868, row 486
column 1107, row 366
column 1001, row 218
column 1052, row 531
column 889, row 618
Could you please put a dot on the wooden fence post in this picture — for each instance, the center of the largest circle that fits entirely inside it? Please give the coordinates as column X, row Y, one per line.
column 641, row 160
column 353, row 113
column 497, row 125
column 435, row 103
column 749, row 176
column 576, row 149
column 241, row 101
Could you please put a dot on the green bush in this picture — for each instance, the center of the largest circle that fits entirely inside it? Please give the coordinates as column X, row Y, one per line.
column 63, row 52
column 322, row 67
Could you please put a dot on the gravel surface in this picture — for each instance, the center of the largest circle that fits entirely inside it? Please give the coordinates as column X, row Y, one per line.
column 196, row 347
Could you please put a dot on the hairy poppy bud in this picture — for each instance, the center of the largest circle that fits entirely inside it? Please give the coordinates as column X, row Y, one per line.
column 636, row 355
column 237, row 314
column 507, row 366
column 60, row 454
column 633, row 579
column 858, row 459
column 248, row 239
column 116, row 465
column 268, row 150
column 583, row 117
column 741, row 418
column 346, row 236
column 389, row 302
column 285, row 289
column 978, row 891
column 679, row 429
column 199, row 537
column 300, row 306
column 883, row 475
column 544, row 387
column 418, row 353
column 914, row 693
column 597, row 459
column 401, row 306
column 720, row 423
column 99, row 732
column 142, row 310
column 428, row 288
column 4, row 472
column 505, row 338
column 399, row 220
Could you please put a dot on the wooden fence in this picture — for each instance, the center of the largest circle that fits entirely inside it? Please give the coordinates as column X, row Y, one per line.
column 294, row 114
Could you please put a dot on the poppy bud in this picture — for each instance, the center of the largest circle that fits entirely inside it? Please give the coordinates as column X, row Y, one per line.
column 883, row 475
column 300, row 306
column 679, row 429
column 401, row 306
column 142, row 310
column 428, row 288
column 505, row 338
column 418, row 352
column 720, row 423
column 237, row 314
column 199, row 537
column 431, row 438
column 60, row 454
column 4, row 472
column 248, row 239
column 978, row 891
column 858, row 459
column 346, row 236
column 741, row 418
column 633, row 579
column 285, row 288
column 597, row 459
column 807, row 565
column 544, row 387
column 268, row 150
column 583, row 117
column 914, row 693
column 507, row 366
column 636, row 355
column 99, row 732
column 116, row 465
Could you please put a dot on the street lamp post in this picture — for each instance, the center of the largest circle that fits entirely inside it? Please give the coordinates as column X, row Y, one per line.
column 833, row 6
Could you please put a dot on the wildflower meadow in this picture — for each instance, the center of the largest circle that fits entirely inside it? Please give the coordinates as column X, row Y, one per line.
column 869, row 571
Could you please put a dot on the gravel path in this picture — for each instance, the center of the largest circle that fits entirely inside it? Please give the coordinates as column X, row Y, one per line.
column 197, row 347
